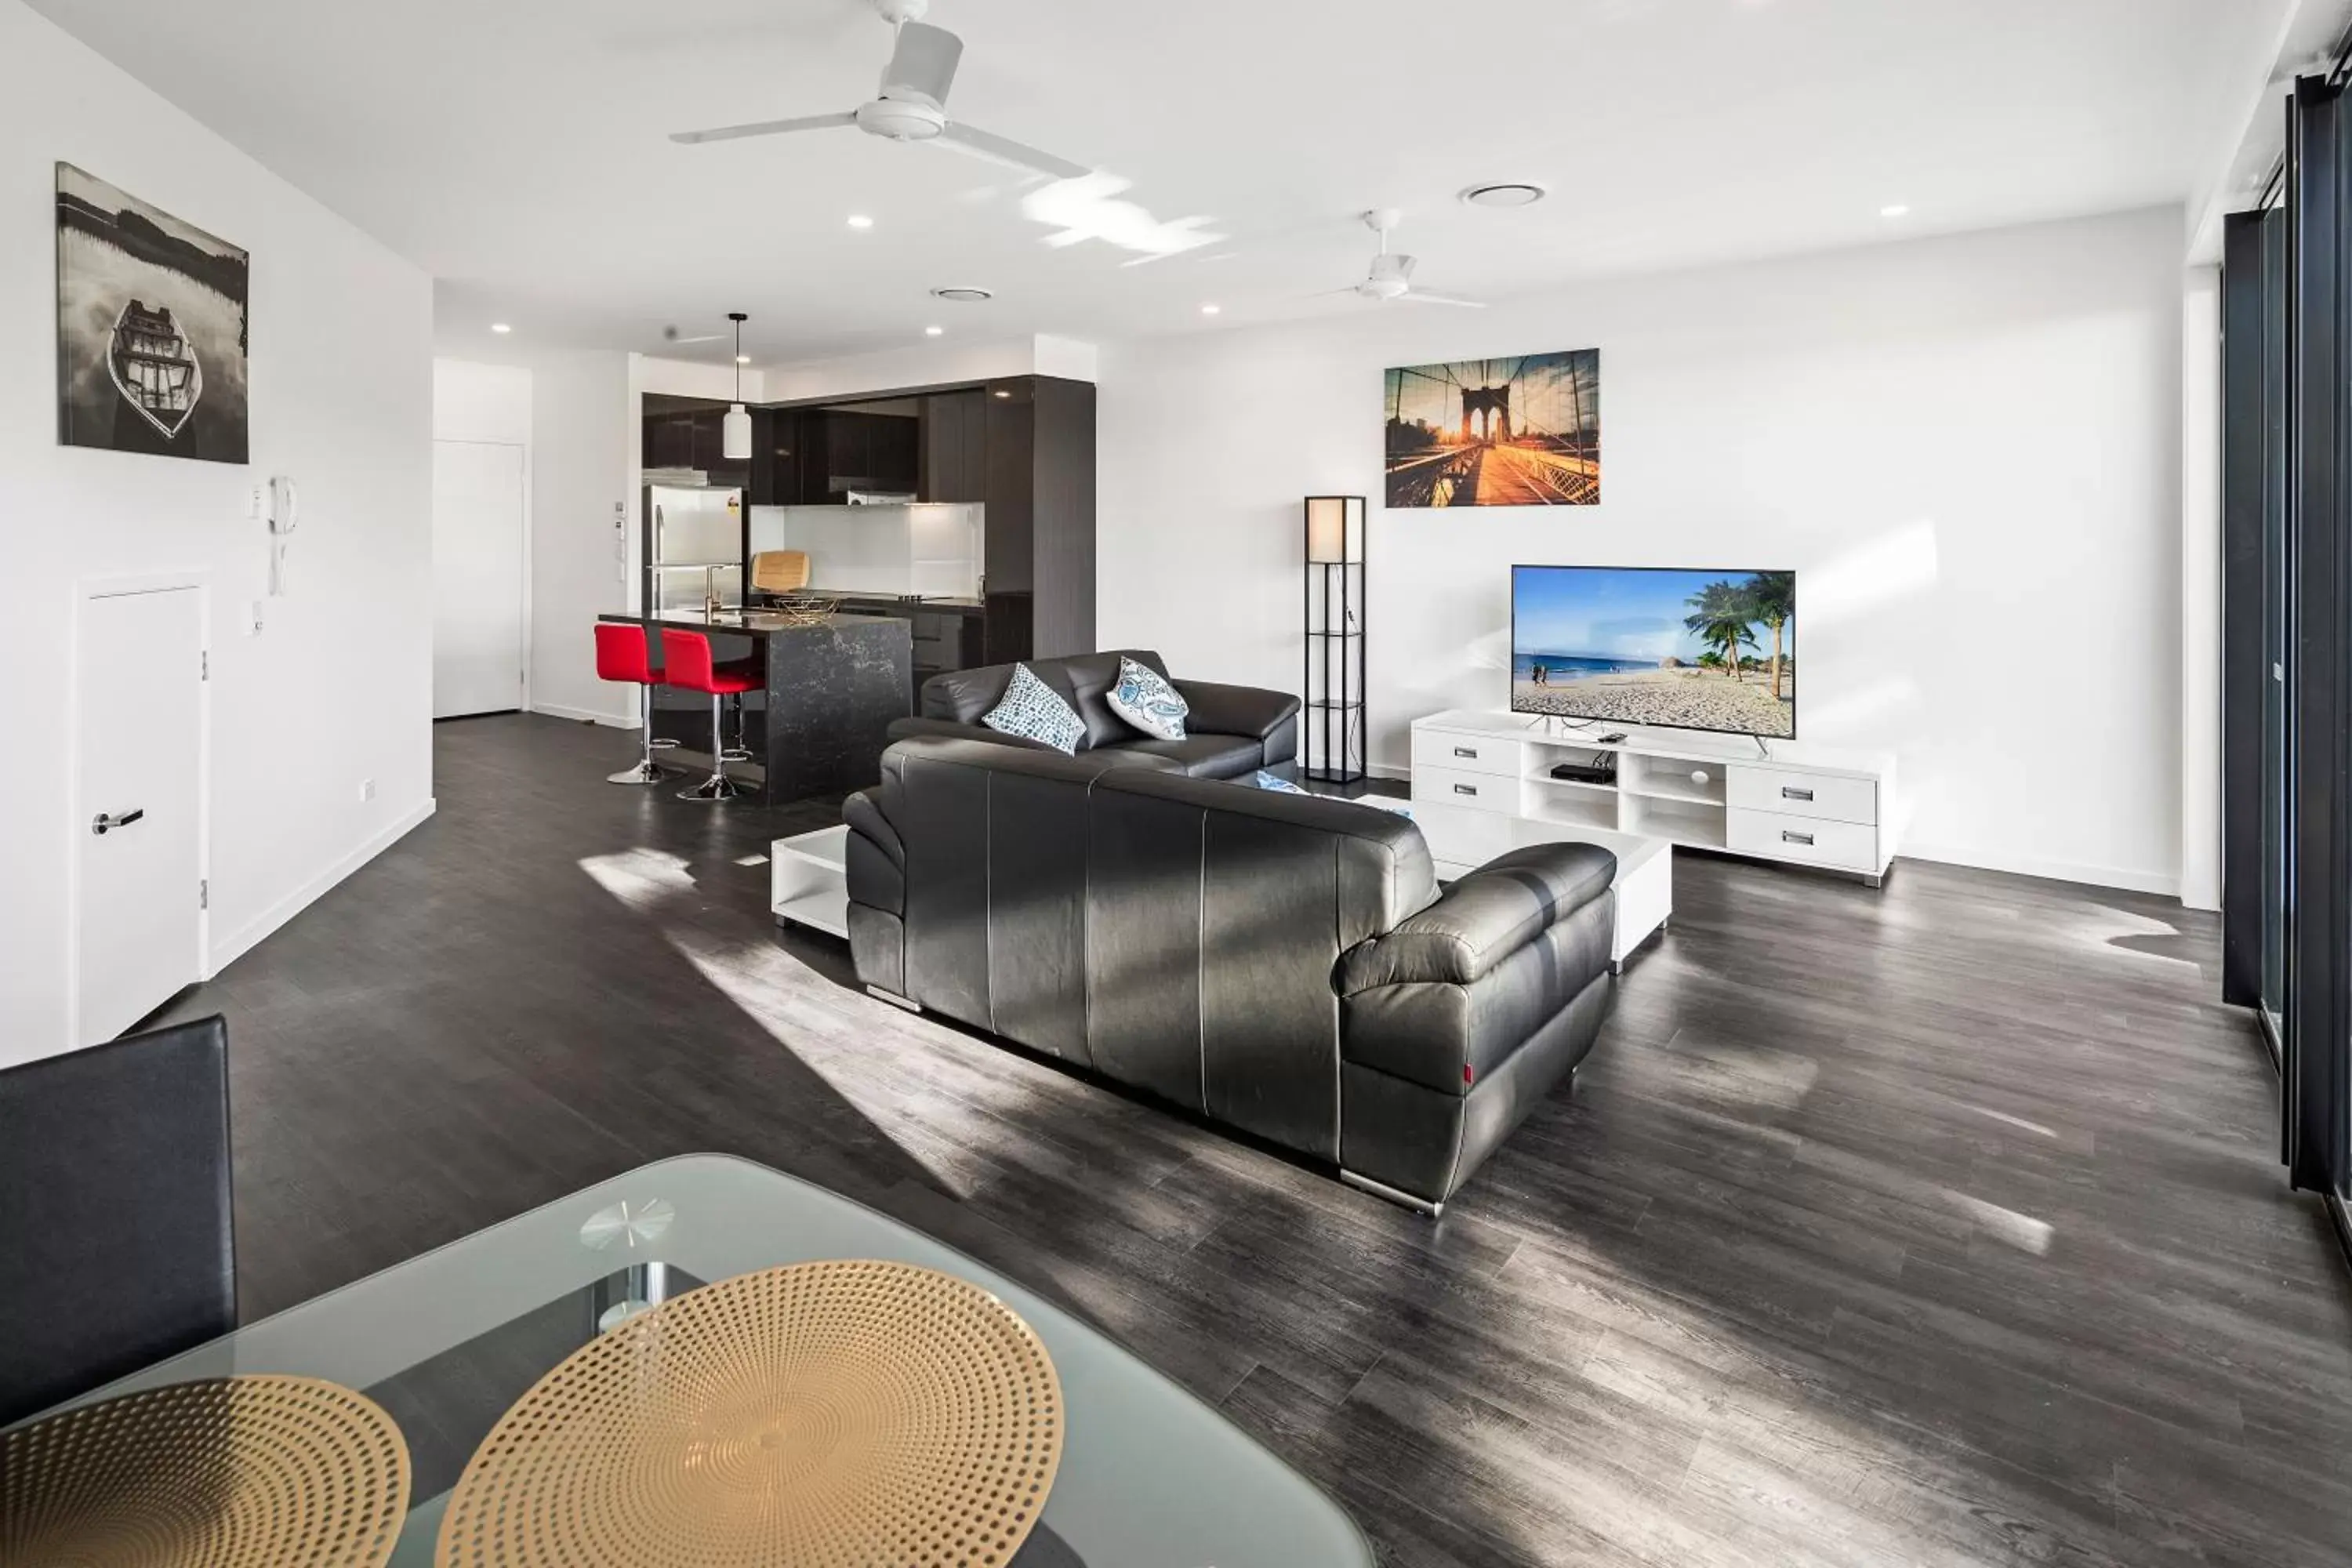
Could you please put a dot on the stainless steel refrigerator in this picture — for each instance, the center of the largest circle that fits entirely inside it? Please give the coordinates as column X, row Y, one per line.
column 694, row 546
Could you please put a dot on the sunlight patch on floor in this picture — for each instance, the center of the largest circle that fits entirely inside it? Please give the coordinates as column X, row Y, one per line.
column 2022, row 1231
column 641, row 878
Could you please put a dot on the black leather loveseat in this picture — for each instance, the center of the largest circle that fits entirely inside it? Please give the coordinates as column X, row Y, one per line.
column 1281, row 962
column 1230, row 733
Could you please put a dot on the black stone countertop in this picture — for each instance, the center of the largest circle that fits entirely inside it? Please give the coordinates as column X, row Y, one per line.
column 742, row 622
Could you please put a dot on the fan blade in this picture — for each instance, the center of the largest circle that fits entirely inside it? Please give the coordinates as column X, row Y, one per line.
column 1428, row 299
column 705, row 338
column 923, row 64
column 765, row 128
column 998, row 150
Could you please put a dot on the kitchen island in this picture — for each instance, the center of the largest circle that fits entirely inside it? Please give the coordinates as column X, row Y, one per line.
column 816, row 725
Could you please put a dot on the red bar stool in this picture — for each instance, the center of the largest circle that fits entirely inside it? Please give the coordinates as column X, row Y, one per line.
column 621, row 655
column 685, row 664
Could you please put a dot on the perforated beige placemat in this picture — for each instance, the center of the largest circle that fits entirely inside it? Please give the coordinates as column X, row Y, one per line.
column 233, row 1472
column 825, row 1415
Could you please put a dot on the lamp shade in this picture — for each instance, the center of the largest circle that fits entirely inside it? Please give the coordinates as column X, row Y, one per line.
column 735, row 435
column 1335, row 530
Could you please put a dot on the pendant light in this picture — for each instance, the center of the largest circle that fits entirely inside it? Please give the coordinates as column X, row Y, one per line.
column 735, row 430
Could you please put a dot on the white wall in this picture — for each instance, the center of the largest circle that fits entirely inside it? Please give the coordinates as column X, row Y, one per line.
column 586, row 442
column 1968, row 448
column 938, row 362
column 2200, row 588
column 336, row 688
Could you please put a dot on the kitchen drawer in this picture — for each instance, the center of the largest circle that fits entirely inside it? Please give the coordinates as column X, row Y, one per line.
column 1815, row 841
column 1476, row 792
column 1803, row 794
column 1466, row 753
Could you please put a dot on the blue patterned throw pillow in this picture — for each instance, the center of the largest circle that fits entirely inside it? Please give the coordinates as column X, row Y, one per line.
column 1276, row 783
column 1035, row 712
column 1145, row 700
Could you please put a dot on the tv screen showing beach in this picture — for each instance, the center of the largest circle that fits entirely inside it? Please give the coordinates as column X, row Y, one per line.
column 1682, row 649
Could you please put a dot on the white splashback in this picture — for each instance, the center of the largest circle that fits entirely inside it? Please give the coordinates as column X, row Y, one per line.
column 926, row 548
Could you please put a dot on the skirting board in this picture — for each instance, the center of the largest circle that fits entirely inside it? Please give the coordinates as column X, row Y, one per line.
column 230, row 949
column 615, row 721
column 2053, row 871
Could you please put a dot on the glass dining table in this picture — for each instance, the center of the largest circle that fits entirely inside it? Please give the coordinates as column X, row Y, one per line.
column 446, row 1341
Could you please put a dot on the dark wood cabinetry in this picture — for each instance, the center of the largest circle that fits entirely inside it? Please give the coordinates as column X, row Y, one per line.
column 955, row 446
column 1023, row 449
column 690, row 438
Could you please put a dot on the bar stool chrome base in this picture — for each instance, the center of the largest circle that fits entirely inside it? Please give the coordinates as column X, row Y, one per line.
column 716, row 787
column 645, row 771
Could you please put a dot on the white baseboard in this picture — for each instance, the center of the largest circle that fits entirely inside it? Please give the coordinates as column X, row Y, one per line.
column 616, row 720
column 228, row 949
column 2034, row 865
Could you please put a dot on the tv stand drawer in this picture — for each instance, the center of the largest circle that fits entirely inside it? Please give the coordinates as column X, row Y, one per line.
column 1813, row 840
column 1466, row 753
column 1472, row 791
column 1803, row 794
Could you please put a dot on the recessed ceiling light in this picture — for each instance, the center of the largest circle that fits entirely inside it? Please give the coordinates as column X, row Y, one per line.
column 1211, row 309
column 962, row 294
column 933, row 331
column 1504, row 193
column 859, row 220
column 1894, row 209
column 501, row 327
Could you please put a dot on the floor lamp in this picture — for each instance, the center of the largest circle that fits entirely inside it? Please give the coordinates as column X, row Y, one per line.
column 1331, row 730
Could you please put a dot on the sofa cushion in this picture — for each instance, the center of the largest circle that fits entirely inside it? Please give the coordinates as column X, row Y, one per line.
column 1142, row 697
column 1035, row 712
column 1204, row 756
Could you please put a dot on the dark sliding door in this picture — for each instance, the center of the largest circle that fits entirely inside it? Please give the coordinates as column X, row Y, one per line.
column 2286, row 673
column 2318, row 592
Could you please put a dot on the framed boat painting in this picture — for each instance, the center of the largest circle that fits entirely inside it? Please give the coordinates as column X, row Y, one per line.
column 150, row 328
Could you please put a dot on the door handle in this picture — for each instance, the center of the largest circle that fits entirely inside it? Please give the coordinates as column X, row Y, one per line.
column 101, row 822
column 1789, row 794
column 1789, row 838
column 1470, row 752
column 1466, row 789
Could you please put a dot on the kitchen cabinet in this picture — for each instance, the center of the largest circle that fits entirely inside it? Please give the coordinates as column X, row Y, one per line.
column 955, row 446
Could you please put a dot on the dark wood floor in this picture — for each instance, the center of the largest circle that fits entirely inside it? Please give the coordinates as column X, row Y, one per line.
column 1935, row 1225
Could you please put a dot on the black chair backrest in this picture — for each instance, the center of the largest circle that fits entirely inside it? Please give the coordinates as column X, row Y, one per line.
column 114, row 1211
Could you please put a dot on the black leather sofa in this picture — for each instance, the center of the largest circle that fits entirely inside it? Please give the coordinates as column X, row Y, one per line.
column 1230, row 733
column 1284, row 963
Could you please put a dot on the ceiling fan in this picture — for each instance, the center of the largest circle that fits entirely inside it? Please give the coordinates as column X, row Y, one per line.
column 1390, row 278
column 912, row 103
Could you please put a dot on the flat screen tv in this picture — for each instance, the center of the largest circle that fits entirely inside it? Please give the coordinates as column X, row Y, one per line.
column 1656, row 645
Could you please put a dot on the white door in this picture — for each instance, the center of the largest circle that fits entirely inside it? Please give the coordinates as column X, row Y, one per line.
column 477, row 649
column 139, row 695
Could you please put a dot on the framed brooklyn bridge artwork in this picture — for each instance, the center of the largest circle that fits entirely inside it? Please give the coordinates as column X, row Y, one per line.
column 1522, row 431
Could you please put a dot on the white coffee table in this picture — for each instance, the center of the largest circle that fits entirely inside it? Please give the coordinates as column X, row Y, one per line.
column 806, row 882
column 1460, row 840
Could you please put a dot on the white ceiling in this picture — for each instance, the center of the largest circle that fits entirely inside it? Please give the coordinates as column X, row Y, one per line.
column 517, row 148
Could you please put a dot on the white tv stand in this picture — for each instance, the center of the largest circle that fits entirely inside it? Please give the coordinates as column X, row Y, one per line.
column 1481, row 781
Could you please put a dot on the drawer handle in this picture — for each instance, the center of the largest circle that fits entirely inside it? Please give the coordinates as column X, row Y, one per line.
column 1789, row 838
column 1469, row 752
column 1790, row 792
column 1466, row 789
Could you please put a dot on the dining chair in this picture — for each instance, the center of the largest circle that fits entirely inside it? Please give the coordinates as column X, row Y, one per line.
column 114, row 1211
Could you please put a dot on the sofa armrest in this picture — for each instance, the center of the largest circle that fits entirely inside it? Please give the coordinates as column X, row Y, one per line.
column 948, row 729
column 1483, row 919
column 1220, row 710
